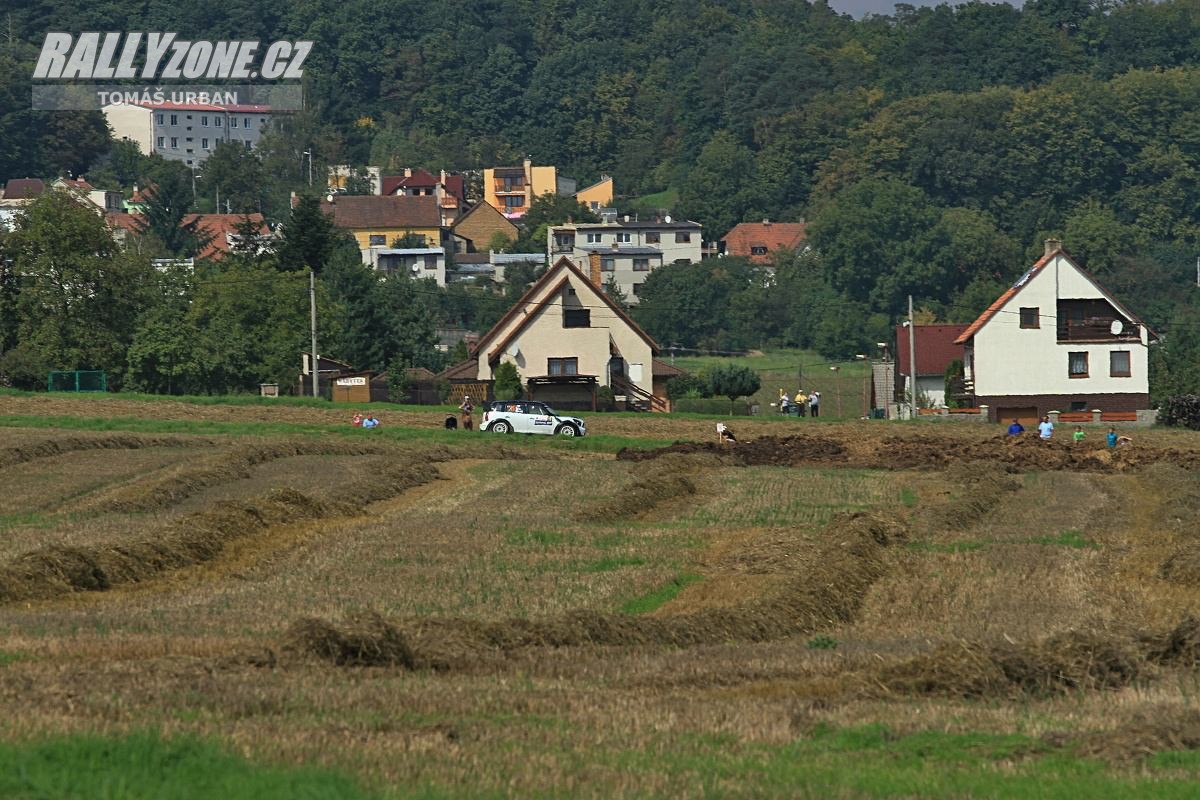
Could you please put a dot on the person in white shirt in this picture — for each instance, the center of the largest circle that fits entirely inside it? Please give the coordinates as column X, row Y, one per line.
column 1045, row 428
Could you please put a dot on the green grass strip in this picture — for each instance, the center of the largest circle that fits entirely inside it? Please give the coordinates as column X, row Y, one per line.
column 144, row 765
column 660, row 596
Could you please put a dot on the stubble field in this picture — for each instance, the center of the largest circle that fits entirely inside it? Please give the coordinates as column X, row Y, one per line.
column 250, row 603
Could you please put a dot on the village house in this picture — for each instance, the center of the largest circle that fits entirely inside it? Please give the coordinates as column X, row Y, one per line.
column 478, row 227
column 102, row 201
column 512, row 190
column 625, row 251
column 757, row 240
column 567, row 338
column 597, row 196
column 222, row 233
column 936, row 350
column 1057, row 341
column 448, row 189
column 187, row 132
column 490, row 266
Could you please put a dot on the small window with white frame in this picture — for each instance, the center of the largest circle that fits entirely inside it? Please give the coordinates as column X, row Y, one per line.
column 1119, row 365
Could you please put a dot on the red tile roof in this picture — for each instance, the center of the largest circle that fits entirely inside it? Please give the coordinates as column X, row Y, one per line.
column 78, row 183
column 216, row 226
column 373, row 211
column 388, row 184
column 457, row 186
column 240, row 109
column 23, row 188
column 936, row 347
column 745, row 236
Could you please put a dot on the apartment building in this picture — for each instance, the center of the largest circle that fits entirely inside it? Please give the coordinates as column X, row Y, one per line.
column 187, row 132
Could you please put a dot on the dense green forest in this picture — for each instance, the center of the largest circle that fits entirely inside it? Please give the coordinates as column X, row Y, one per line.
column 931, row 150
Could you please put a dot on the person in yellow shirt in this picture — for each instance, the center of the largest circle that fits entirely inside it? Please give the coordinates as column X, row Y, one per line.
column 801, row 402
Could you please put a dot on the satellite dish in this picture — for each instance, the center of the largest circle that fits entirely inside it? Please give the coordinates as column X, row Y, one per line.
column 1116, row 327
column 514, row 349
column 414, row 269
column 667, row 219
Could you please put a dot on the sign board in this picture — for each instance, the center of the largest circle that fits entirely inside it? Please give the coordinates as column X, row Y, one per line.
column 359, row 381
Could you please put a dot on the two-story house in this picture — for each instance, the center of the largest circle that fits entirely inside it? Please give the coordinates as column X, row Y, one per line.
column 511, row 190
column 625, row 251
column 757, row 240
column 187, row 132
column 566, row 338
column 1057, row 341
column 449, row 189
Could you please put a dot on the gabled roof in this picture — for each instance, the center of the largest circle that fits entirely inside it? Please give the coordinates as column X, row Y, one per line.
column 374, row 211
column 745, row 236
column 485, row 209
column 24, row 188
column 936, row 347
column 1029, row 275
column 661, row 369
column 77, row 183
column 220, row 228
column 558, row 274
column 463, row 371
column 457, row 186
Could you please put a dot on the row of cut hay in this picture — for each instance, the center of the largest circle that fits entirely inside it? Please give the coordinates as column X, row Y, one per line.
column 1065, row 662
column 984, row 485
column 852, row 559
column 11, row 456
column 669, row 480
column 1176, row 513
column 196, row 538
column 765, row 451
column 174, row 488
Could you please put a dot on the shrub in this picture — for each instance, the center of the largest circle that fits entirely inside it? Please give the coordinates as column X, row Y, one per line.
column 1180, row 411
column 606, row 399
column 687, row 385
column 733, row 381
column 508, row 382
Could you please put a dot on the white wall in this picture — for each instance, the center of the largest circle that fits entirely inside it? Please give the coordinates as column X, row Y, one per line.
column 133, row 123
column 1010, row 360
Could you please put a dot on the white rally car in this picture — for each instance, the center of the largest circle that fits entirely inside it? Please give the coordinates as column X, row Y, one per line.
column 524, row 416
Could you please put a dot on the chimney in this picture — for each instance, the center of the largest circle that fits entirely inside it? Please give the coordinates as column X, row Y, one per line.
column 442, row 180
column 408, row 172
column 594, row 269
column 766, row 221
column 1053, row 245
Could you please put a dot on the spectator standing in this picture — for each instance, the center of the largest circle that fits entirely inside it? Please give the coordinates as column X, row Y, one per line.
column 1111, row 437
column 814, row 403
column 1016, row 429
column 1077, row 437
column 465, row 408
column 1045, row 428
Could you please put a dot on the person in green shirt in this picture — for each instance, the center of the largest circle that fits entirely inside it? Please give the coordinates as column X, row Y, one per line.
column 1078, row 435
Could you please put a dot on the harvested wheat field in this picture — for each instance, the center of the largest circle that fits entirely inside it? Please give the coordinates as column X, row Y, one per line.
column 832, row 610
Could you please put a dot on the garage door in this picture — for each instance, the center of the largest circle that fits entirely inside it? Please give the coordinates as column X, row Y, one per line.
column 1026, row 416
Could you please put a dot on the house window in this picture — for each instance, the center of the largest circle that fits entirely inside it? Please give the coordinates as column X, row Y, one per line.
column 160, row 141
column 1118, row 364
column 641, row 265
column 233, row 122
column 594, row 238
column 246, row 123
column 158, row 118
column 431, row 262
column 653, row 237
column 758, row 250
column 562, row 366
column 174, row 143
column 216, row 122
column 637, row 290
column 1079, row 405
column 514, row 201
column 624, row 238
column 1077, row 365
column 377, row 240
column 174, row 119
column 204, row 143
column 247, row 143
column 577, row 318
column 607, row 264
column 1030, row 318
column 683, row 237
column 203, row 120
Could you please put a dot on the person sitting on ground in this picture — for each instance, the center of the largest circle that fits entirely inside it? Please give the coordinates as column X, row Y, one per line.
column 1016, row 429
column 370, row 422
column 724, row 434
column 1045, row 428
column 1077, row 437
column 451, row 423
column 356, row 420
column 1111, row 437
column 1123, row 441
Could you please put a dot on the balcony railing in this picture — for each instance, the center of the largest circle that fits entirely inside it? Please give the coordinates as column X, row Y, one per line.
column 1095, row 329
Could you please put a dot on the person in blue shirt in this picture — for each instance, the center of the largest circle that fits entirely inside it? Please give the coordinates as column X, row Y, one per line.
column 370, row 422
column 1016, row 429
column 1111, row 437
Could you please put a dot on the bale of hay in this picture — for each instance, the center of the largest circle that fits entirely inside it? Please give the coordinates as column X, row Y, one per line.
column 1146, row 733
column 1179, row 646
column 363, row 640
column 1071, row 660
column 958, row 669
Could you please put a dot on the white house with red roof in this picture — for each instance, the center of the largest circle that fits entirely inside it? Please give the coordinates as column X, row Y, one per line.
column 1057, row 341
column 187, row 132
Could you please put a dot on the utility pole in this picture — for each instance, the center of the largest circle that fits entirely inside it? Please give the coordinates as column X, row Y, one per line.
column 1198, row 271
column 309, row 154
column 312, row 307
column 912, row 359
